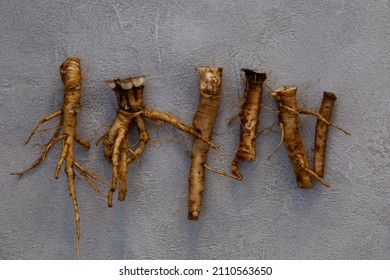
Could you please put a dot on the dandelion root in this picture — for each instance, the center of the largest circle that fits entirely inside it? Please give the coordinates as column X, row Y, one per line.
column 209, row 87
column 249, row 117
column 286, row 100
column 322, row 133
column 70, row 72
column 129, row 95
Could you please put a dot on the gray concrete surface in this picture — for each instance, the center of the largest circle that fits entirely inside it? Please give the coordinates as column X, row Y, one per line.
column 339, row 46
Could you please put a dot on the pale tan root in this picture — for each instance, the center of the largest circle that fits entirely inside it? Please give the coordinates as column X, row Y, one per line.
column 72, row 189
column 209, row 87
column 42, row 156
column 176, row 123
column 122, row 120
column 328, row 101
column 234, row 167
column 123, row 170
column 109, row 138
column 286, row 101
column 61, row 160
column 71, row 77
column 115, row 163
column 44, row 119
column 143, row 140
column 129, row 94
column 81, row 141
column 249, row 117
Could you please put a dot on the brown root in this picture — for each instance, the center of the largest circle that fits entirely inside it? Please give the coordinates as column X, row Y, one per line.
column 209, row 87
column 123, row 121
column 123, row 170
column 70, row 72
column 249, row 117
column 143, row 140
column 81, row 141
column 311, row 172
column 122, row 133
column 176, row 123
column 322, row 133
column 286, row 100
column 129, row 95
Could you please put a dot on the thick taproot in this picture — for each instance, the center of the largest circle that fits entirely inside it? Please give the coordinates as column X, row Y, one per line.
column 209, row 87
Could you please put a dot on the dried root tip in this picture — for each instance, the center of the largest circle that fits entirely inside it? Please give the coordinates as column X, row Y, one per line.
column 109, row 198
column 41, row 158
column 193, row 216
column 223, row 173
column 311, row 172
column 82, row 141
column 234, row 168
column 330, row 95
column 44, row 119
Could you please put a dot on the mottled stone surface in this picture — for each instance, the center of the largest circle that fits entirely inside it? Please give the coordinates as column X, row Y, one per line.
column 338, row 46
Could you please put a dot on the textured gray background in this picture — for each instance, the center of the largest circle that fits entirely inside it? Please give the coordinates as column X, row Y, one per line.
column 340, row 46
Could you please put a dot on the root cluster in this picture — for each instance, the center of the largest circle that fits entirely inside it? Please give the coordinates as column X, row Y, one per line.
column 129, row 94
column 71, row 77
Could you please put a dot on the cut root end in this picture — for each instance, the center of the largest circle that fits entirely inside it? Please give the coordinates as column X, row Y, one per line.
column 193, row 216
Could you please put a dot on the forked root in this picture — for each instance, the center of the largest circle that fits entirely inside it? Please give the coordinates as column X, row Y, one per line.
column 286, row 100
column 129, row 95
column 41, row 158
column 71, row 76
column 44, row 119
